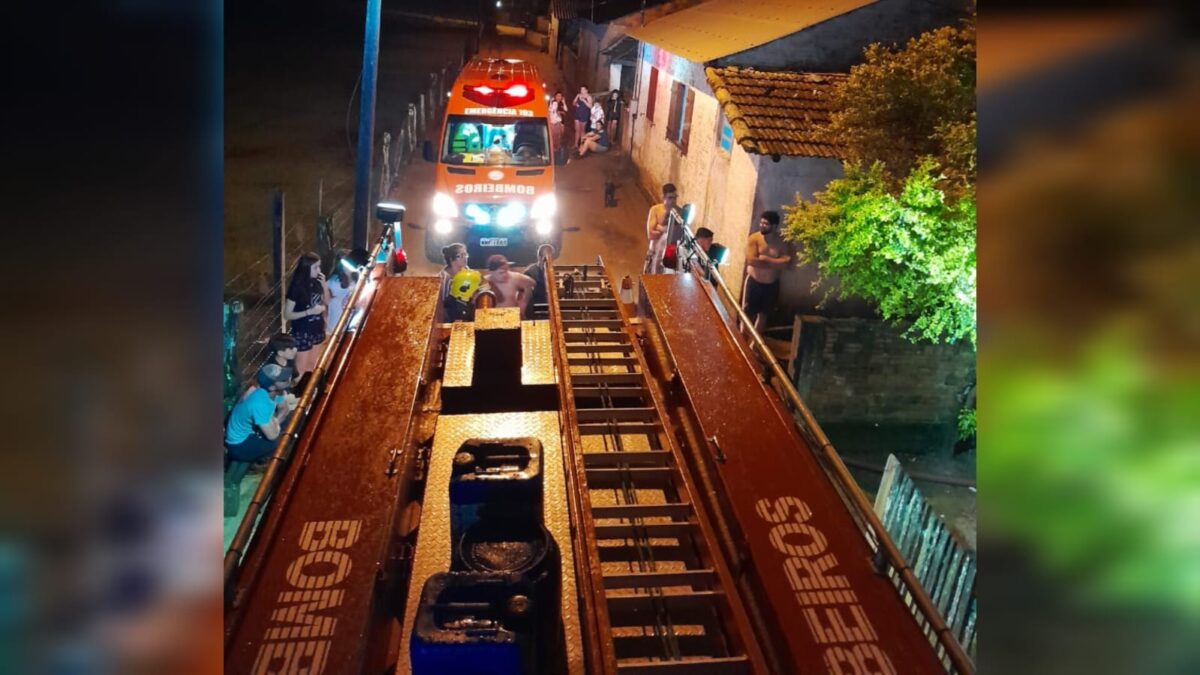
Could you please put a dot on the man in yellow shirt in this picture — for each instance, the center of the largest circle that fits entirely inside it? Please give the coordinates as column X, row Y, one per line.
column 659, row 232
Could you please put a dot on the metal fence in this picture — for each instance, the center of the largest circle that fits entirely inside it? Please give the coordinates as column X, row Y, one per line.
column 421, row 116
column 256, row 289
column 945, row 568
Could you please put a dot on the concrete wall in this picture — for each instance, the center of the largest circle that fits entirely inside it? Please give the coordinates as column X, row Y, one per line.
column 778, row 184
column 862, row 370
column 836, row 44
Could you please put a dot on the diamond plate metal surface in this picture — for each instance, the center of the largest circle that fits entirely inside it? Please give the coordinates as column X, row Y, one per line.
column 492, row 318
column 433, row 541
column 537, row 353
column 460, row 356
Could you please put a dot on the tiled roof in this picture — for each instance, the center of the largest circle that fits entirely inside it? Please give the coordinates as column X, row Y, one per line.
column 777, row 112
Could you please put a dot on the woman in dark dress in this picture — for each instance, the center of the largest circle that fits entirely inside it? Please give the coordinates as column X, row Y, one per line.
column 307, row 298
column 581, row 110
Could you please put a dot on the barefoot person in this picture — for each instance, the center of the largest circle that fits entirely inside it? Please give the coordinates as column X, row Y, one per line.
column 512, row 289
column 767, row 256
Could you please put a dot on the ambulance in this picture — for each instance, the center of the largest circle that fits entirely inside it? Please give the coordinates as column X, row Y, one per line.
column 495, row 165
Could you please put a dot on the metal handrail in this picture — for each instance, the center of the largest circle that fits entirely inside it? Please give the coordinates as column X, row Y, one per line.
column 283, row 446
column 810, row 428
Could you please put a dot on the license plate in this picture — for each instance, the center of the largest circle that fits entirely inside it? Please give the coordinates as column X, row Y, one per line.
column 493, row 241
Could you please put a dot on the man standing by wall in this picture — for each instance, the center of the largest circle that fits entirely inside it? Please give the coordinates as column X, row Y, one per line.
column 658, row 229
column 767, row 255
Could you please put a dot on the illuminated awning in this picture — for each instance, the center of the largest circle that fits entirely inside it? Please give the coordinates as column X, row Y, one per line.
column 722, row 27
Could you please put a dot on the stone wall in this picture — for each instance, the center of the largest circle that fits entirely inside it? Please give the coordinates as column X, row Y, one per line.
column 863, row 370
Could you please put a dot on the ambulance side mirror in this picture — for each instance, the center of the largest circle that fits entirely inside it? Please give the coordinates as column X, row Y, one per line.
column 427, row 151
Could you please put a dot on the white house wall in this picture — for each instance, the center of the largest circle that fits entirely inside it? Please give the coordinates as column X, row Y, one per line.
column 720, row 184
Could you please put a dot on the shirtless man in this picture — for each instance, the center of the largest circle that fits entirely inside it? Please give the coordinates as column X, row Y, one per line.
column 512, row 289
column 767, row 255
column 657, row 221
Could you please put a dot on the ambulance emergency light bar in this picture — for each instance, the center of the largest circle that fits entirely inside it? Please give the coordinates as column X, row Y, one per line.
column 515, row 93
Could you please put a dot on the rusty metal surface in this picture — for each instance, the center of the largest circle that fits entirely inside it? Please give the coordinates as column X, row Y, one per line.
column 433, row 538
column 814, row 565
column 315, row 594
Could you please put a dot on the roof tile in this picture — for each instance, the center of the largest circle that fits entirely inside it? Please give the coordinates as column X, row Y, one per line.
column 778, row 112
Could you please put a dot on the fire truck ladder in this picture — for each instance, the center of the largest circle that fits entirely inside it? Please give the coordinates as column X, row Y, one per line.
column 662, row 599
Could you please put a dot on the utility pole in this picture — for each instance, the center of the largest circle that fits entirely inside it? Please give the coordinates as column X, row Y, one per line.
column 366, row 125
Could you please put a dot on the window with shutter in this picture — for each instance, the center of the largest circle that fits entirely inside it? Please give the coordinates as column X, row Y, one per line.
column 652, row 96
column 686, row 132
column 675, row 114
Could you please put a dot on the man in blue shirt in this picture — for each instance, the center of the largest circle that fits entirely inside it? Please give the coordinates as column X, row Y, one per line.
column 254, row 424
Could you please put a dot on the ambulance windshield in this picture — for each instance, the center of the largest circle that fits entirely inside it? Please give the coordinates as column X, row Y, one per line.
column 496, row 141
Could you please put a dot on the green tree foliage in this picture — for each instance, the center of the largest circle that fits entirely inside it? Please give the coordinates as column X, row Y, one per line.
column 899, row 106
column 913, row 252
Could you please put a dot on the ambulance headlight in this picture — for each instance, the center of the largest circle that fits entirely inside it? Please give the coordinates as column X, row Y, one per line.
column 442, row 226
column 444, row 206
column 544, row 227
column 477, row 214
column 544, row 207
column 510, row 214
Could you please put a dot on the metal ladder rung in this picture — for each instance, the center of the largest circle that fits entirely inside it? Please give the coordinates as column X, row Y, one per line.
column 614, row 392
column 601, row 337
column 594, row 347
column 651, row 457
column 601, row 478
column 645, row 531
column 687, row 607
column 661, row 579
column 619, row 428
column 628, row 647
column 585, row 360
column 582, row 393
column 606, row 302
column 725, row 665
column 677, row 510
column 591, row 315
column 637, row 554
column 616, row 414
column 592, row 323
column 605, row 378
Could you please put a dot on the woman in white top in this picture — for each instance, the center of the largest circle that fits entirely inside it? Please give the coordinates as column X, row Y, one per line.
column 340, row 287
column 597, row 117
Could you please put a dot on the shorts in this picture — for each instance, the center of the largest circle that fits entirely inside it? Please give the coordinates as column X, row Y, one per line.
column 251, row 450
column 760, row 298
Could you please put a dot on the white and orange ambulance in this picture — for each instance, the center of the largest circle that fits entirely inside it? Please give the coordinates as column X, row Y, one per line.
column 495, row 165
